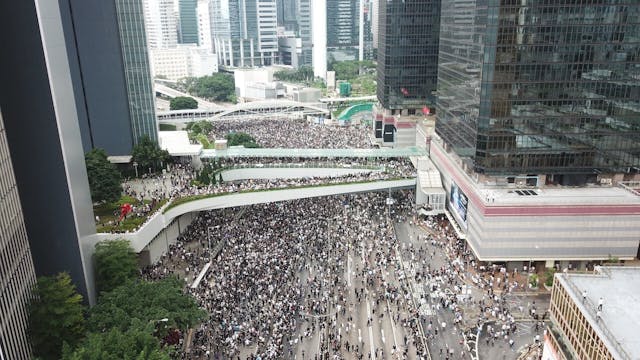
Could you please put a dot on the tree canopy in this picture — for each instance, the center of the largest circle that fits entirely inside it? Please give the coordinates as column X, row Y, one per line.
column 116, row 264
column 215, row 87
column 241, row 138
column 350, row 69
column 136, row 343
column 104, row 178
column 200, row 127
column 148, row 155
column 56, row 316
column 302, row 74
column 183, row 102
column 147, row 302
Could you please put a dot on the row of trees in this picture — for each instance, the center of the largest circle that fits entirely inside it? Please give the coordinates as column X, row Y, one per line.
column 133, row 319
column 105, row 180
column 351, row 69
column 214, row 87
column 302, row 74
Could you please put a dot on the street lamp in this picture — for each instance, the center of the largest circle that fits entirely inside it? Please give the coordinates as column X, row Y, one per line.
column 135, row 166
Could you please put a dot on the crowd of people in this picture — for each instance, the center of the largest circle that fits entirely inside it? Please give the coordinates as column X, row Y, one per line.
column 295, row 134
column 178, row 183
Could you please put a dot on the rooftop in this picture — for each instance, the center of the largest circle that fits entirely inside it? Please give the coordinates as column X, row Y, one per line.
column 587, row 195
column 177, row 143
column 619, row 287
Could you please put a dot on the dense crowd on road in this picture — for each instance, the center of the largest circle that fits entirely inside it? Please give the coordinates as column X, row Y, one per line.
column 281, row 263
column 295, row 134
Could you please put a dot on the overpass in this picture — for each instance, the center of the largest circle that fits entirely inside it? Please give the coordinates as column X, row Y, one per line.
column 172, row 93
column 161, row 225
column 355, row 109
column 266, row 109
column 348, row 99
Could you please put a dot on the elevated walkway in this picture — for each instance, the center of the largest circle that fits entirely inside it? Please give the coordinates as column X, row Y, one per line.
column 158, row 222
column 314, row 153
column 355, row 109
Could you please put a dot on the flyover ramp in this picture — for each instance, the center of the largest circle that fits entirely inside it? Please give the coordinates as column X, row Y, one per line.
column 158, row 222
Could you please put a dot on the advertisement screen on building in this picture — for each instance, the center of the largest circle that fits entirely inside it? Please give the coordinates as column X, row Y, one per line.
column 458, row 202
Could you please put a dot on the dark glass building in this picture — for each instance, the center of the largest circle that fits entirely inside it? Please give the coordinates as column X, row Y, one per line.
column 407, row 53
column 188, row 22
column 342, row 30
column 541, row 87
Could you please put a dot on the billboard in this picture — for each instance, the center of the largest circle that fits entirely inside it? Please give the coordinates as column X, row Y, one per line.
column 458, row 203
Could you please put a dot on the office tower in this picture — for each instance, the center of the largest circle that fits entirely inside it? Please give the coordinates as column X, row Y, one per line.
column 375, row 18
column 342, row 32
column 542, row 88
column 137, row 71
column 538, row 134
column 160, row 23
column 244, row 33
column 41, row 119
column 204, row 25
column 408, row 53
column 408, row 33
column 188, row 22
column 303, row 16
column 17, row 275
column 582, row 329
column 287, row 18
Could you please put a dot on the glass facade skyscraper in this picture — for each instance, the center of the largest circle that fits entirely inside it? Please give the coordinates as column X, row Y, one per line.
column 137, row 70
column 188, row 21
column 407, row 53
column 17, row 274
column 541, row 87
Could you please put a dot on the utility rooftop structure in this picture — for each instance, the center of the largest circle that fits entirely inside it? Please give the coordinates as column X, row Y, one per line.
column 580, row 330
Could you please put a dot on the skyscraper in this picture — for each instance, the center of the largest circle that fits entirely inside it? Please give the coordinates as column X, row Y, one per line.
column 408, row 53
column 408, row 34
column 160, row 23
column 244, row 32
column 303, row 16
column 542, row 88
column 137, row 70
column 343, row 18
column 188, row 22
column 41, row 119
column 538, row 128
column 17, row 275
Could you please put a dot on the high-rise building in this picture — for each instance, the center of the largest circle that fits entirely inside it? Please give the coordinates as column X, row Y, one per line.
column 137, row 71
column 408, row 53
column 303, row 16
column 287, row 18
column 188, row 22
column 408, row 34
column 340, row 31
column 17, row 275
column 160, row 23
column 542, row 88
column 592, row 315
column 42, row 125
column 538, row 130
column 244, row 32
column 204, row 25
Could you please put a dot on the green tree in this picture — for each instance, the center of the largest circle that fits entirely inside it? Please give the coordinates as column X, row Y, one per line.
column 147, row 302
column 183, row 102
column 303, row 74
column 56, row 316
column 216, row 87
column 137, row 343
column 116, row 264
column 104, row 178
column 241, row 138
column 148, row 155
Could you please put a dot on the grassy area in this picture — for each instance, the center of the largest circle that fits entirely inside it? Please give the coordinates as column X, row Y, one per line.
column 167, row 127
column 111, row 213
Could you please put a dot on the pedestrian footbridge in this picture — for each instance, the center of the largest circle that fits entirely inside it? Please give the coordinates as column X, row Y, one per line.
column 163, row 227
